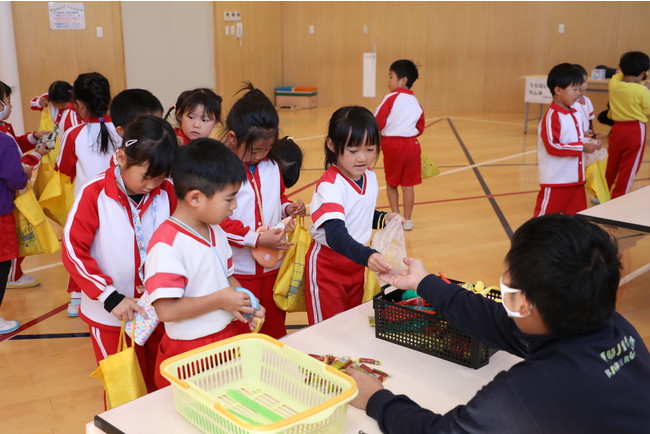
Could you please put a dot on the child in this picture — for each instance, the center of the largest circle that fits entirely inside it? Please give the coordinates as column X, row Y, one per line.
column 132, row 103
column 189, row 268
column 401, row 121
column 583, row 106
column 560, row 145
column 26, row 144
column 109, row 227
column 629, row 102
column 343, row 214
column 288, row 155
column 251, row 130
column 86, row 149
column 58, row 100
column 197, row 113
column 561, row 320
column 13, row 176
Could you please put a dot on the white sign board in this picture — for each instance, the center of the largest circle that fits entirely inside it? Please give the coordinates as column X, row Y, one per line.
column 369, row 75
column 67, row 16
column 537, row 91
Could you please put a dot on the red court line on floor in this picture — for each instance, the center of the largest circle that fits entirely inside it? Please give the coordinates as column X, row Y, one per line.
column 34, row 322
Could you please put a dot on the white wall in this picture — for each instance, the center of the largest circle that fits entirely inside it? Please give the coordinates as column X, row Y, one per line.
column 168, row 47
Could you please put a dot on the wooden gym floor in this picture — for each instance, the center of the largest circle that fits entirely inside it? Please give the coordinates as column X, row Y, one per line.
column 463, row 219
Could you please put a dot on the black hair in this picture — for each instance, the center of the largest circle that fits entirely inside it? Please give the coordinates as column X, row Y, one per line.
column 563, row 76
column 351, row 126
column 190, row 99
column 206, row 165
column 252, row 117
column 59, row 91
column 405, row 68
column 289, row 156
column 94, row 91
column 634, row 63
column 568, row 268
column 5, row 90
column 582, row 70
column 131, row 103
column 155, row 144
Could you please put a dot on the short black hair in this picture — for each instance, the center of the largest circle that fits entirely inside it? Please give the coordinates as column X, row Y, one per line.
column 150, row 139
column 59, row 91
column 289, row 156
column 582, row 69
column 568, row 268
column 351, row 126
column 563, row 76
column 405, row 68
column 252, row 117
column 5, row 90
column 634, row 63
column 131, row 103
column 206, row 165
column 188, row 100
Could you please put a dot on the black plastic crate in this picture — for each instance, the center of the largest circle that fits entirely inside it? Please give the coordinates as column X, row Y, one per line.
column 427, row 332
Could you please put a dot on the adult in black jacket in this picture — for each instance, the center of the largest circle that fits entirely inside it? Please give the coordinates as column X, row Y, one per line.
column 585, row 368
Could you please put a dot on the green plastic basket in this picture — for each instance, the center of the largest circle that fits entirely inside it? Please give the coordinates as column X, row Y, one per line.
column 254, row 383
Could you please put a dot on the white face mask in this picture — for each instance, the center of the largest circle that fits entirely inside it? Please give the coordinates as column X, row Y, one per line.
column 505, row 290
column 4, row 110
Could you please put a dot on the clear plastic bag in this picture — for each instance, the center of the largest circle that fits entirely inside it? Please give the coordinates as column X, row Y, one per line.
column 389, row 241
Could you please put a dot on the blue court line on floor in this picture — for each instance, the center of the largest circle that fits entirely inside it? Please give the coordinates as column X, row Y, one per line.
column 50, row 336
column 486, row 189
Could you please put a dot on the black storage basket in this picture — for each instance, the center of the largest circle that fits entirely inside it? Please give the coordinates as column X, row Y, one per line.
column 427, row 332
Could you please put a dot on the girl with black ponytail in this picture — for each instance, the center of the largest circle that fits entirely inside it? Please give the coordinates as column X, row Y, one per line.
column 87, row 149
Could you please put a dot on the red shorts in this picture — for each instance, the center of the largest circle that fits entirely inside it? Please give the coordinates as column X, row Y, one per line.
column 566, row 200
column 172, row 347
column 402, row 161
column 9, row 244
column 334, row 283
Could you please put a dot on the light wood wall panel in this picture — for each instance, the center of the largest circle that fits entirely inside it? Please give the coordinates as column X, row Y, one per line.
column 258, row 59
column 46, row 55
column 472, row 55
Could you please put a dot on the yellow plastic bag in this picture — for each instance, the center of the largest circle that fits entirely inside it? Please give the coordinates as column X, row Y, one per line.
column 120, row 374
column 429, row 168
column 46, row 169
column 371, row 287
column 289, row 290
column 596, row 184
column 57, row 197
column 34, row 231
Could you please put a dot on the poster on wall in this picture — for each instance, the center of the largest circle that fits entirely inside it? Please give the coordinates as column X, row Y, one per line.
column 67, row 16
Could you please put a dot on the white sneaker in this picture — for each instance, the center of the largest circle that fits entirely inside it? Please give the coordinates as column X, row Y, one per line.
column 7, row 326
column 408, row 225
column 73, row 307
column 24, row 282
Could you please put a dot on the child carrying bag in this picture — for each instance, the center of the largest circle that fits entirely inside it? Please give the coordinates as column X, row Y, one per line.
column 289, row 290
column 34, row 231
column 120, row 374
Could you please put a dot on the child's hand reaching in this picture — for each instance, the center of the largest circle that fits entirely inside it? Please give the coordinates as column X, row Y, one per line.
column 126, row 309
column 378, row 263
column 409, row 279
column 393, row 215
column 257, row 318
column 367, row 386
column 590, row 145
column 274, row 239
column 238, row 303
column 296, row 208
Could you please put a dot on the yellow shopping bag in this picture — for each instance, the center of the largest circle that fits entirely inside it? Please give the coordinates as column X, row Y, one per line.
column 289, row 290
column 57, row 197
column 46, row 169
column 429, row 168
column 371, row 287
column 596, row 184
column 34, row 231
column 120, row 374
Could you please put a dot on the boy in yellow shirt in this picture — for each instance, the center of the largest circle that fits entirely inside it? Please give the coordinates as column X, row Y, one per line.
column 629, row 107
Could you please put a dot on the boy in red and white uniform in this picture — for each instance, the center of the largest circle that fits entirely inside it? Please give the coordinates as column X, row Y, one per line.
column 401, row 120
column 108, row 229
column 560, row 145
column 629, row 107
column 189, row 267
column 58, row 101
